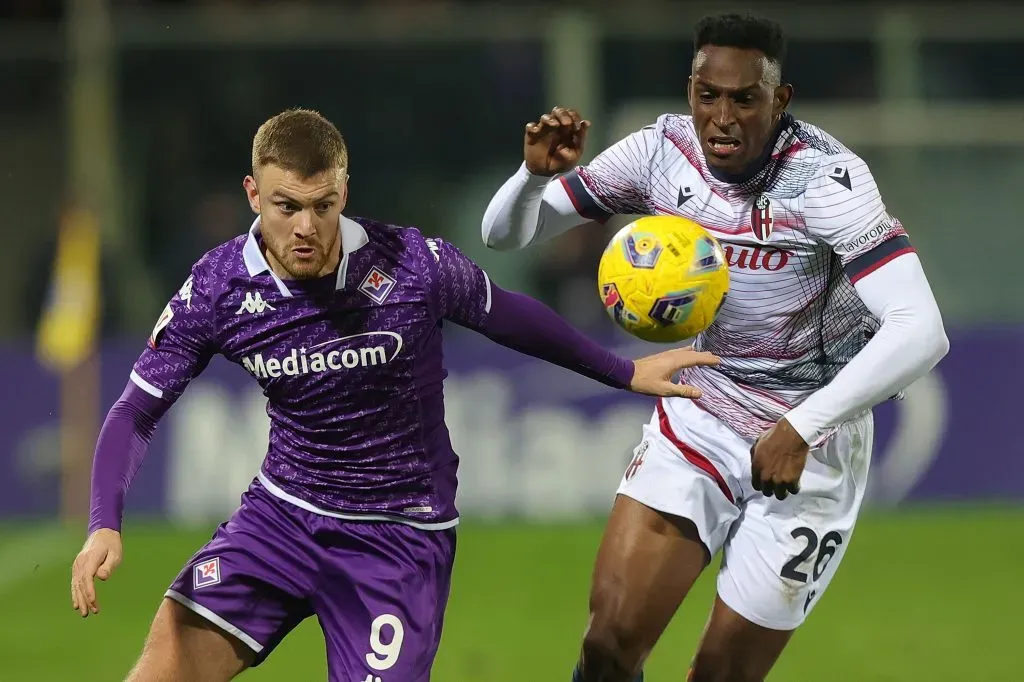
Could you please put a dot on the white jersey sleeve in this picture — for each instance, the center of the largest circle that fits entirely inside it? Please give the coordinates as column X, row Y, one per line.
column 529, row 209
column 842, row 207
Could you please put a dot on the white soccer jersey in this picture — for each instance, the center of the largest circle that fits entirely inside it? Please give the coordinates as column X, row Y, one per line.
column 798, row 233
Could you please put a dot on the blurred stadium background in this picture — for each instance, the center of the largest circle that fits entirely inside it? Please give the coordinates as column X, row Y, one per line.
column 125, row 128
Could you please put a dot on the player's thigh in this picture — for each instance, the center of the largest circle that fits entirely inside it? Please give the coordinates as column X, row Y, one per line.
column 382, row 597
column 782, row 555
column 253, row 579
column 669, row 518
column 183, row 645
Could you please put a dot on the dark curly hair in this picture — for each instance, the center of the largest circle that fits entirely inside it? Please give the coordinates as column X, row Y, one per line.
column 744, row 31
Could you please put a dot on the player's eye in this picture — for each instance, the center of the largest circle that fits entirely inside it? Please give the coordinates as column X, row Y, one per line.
column 325, row 206
column 707, row 97
column 286, row 207
column 744, row 98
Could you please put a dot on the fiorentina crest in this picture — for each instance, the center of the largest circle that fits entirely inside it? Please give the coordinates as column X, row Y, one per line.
column 377, row 285
column 761, row 218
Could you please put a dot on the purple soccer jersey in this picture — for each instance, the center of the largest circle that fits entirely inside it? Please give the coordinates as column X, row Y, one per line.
column 352, row 515
column 351, row 365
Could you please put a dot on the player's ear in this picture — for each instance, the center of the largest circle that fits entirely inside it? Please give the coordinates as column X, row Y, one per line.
column 252, row 193
column 783, row 95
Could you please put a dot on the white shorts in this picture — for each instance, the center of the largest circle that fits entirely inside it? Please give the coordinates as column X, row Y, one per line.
column 778, row 556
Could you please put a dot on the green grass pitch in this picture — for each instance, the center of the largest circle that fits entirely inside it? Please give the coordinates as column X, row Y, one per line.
column 930, row 595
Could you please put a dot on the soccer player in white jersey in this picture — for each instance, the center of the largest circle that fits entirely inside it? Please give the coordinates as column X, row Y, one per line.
column 829, row 313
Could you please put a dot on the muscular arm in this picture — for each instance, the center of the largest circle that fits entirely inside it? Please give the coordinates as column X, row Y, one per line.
column 910, row 341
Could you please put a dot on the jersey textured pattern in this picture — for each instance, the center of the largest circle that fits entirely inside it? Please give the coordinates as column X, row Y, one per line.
column 798, row 232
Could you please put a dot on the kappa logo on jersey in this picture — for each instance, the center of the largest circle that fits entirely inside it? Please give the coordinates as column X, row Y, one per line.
column 253, row 304
column 320, row 359
column 762, row 218
column 185, row 293
column 841, row 175
column 434, row 244
column 161, row 323
column 206, row 573
column 377, row 285
column 637, row 461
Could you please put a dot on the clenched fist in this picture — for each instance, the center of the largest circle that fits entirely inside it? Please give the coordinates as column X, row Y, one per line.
column 554, row 144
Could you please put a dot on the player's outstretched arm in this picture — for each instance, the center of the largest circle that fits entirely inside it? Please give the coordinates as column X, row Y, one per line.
column 464, row 294
column 549, row 195
column 120, row 450
column 528, row 326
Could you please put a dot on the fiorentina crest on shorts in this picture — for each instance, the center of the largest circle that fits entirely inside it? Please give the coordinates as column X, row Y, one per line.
column 377, row 285
column 762, row 220
column 207, row 573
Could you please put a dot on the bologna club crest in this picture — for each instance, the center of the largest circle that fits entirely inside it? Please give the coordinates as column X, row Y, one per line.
column 761, row 218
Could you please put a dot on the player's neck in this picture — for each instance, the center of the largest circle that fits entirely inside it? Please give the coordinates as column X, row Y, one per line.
column 760, row 162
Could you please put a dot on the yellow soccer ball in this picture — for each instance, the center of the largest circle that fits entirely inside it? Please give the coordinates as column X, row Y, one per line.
column 663, row 278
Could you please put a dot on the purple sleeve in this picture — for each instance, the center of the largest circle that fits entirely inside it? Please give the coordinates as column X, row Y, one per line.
column 464, row 294
column 528, row 326
column 182, row 342
column 120, row 450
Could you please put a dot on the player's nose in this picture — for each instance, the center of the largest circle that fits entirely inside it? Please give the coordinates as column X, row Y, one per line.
column 304, row 224
column 724, row 115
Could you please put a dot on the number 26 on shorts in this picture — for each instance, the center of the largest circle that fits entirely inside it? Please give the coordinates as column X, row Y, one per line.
column 384, row 652
column 826, row 548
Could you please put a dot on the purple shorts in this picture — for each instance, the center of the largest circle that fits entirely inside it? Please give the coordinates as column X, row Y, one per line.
column 378, row 589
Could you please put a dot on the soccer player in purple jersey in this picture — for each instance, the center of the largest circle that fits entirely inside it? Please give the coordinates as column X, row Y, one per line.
column 352, row 516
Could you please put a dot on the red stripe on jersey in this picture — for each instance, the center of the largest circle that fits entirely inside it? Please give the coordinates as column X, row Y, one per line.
column 572, row 197
column 584, row 204
column 690, row 455
column 877, row 256
column 892, row 256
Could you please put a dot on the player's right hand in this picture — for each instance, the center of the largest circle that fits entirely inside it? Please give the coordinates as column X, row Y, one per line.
column 653, row 374
column 554, row 144
column 98, row 559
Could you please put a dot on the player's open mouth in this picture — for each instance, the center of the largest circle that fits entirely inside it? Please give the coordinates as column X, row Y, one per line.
column 723, row 146
column 304, row 251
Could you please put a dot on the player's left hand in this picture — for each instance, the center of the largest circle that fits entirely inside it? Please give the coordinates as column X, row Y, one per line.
column 653, row 374
column 777, row 461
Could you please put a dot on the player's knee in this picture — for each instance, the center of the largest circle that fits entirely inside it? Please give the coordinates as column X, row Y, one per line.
column 614, row 642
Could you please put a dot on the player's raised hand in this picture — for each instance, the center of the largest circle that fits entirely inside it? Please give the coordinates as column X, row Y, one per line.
column 777, row 461
column 554, row 144
column 98, row 559
column 653, row 374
